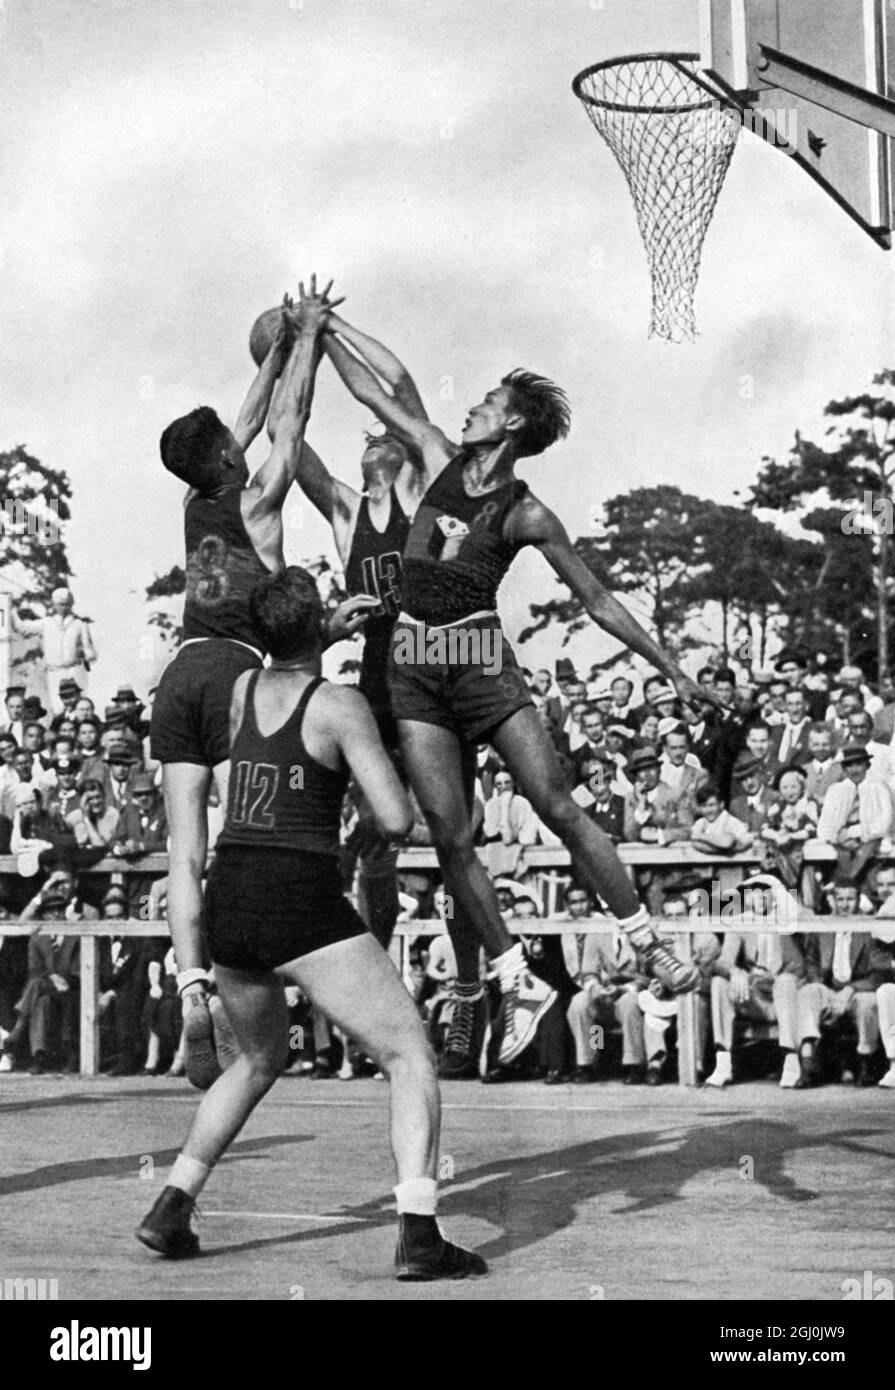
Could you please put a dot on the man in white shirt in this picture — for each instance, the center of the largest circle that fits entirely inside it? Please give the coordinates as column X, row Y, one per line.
column 856, row 814
column 821, row 769
column 842, row 977
column 66, row 643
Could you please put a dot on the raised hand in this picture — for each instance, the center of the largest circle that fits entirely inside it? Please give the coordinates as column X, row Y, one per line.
column 313, row 309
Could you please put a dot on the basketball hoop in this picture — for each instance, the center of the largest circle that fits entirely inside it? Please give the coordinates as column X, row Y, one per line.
column 674, row 139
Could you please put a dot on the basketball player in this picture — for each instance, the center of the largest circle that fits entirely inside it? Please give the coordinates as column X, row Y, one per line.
column 274, row 903
column 370, row 528
column 234, row 536
column 469, row 526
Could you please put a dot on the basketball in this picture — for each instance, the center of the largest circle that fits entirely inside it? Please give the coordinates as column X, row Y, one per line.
column 262, row 334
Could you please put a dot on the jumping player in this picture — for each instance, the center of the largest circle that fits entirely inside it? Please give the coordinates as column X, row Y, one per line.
column 234, row 536
column 370, row 529
column 474, row 518
column 274, row 903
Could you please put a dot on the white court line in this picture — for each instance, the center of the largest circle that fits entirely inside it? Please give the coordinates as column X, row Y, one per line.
column 285, row 1216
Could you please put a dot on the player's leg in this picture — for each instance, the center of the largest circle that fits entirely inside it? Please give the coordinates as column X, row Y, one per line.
column 355, row 984
column 185, row 787
column 256, row 1006
column 525, row 747
column 467, row 1030
column 435, row 763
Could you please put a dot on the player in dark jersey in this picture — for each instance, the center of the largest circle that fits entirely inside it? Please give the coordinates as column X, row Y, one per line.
column 455, row 681
column 370, row 528
column 274, row 904
column 234, row 536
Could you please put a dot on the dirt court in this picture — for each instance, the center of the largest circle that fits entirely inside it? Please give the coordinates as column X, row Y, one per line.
column 569, row 1192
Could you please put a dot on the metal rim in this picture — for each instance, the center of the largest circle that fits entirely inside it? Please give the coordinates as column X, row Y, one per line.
column 676, row 60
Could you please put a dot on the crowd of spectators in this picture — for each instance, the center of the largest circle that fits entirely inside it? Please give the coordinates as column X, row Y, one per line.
column 790, row 769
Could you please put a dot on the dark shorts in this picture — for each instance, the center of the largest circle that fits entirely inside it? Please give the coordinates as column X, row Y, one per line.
column 191, row 714
column 472, row 691
column 264, row 907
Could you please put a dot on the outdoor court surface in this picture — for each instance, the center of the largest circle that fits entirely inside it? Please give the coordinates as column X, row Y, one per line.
column 567, row 1191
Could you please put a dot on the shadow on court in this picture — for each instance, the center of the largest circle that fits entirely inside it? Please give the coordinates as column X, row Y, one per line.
column 126, row 1165
column 535, row 1197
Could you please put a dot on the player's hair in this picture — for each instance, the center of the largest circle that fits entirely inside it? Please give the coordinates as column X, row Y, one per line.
column 545, row 408
column 287, row 610
column 188, row 446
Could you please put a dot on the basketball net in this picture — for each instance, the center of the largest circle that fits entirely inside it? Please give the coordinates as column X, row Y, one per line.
column 674, row 142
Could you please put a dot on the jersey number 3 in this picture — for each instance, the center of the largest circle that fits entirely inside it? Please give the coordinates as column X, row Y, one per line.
column 260, row 781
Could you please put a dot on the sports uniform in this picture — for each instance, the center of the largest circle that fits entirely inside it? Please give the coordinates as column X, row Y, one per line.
column 190, row 717
column 454, row 561
column 274, row 891
column 374, row 568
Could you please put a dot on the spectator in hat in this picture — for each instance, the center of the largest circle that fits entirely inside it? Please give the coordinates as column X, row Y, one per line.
column 754, row 798
column 66, row 642
column 69, row 693
column 65, row 796
column 15, row 703
column 856, row 814
column 716, row 831
column 843, row 971
column 125, row 699
column 121, row 770
column 142, row 825
column 821, row 768
column 619, row 746
column 653, row 815
column 790, row 823
column 789, row 740
column 882, row 762
column 757, row 977
column 117, row 730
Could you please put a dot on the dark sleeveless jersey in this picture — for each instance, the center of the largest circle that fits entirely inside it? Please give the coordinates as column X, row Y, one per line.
column 222, row 567
column 456, row 557
column 279, row 796
column 374, row 568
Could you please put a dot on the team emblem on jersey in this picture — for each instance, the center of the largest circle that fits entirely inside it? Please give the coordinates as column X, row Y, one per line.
column 207, row 581
column 454, row 532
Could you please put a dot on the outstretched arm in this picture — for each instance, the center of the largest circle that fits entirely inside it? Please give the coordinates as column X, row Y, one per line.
column 534, row 524
column 384, row 363
column 254, row 409
column 432, row 443
column 275, row 477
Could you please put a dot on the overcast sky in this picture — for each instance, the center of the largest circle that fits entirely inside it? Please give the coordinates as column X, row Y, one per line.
column 170, row 167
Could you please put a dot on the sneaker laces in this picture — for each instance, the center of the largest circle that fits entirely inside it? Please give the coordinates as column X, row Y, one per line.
column 459, row 1034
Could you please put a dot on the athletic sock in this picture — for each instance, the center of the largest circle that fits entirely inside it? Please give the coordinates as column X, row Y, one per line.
column 638, row 928
column 189, row 1174
column 417, row 1198
column 509, row 966
column 189, row 981
column 470, row 992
